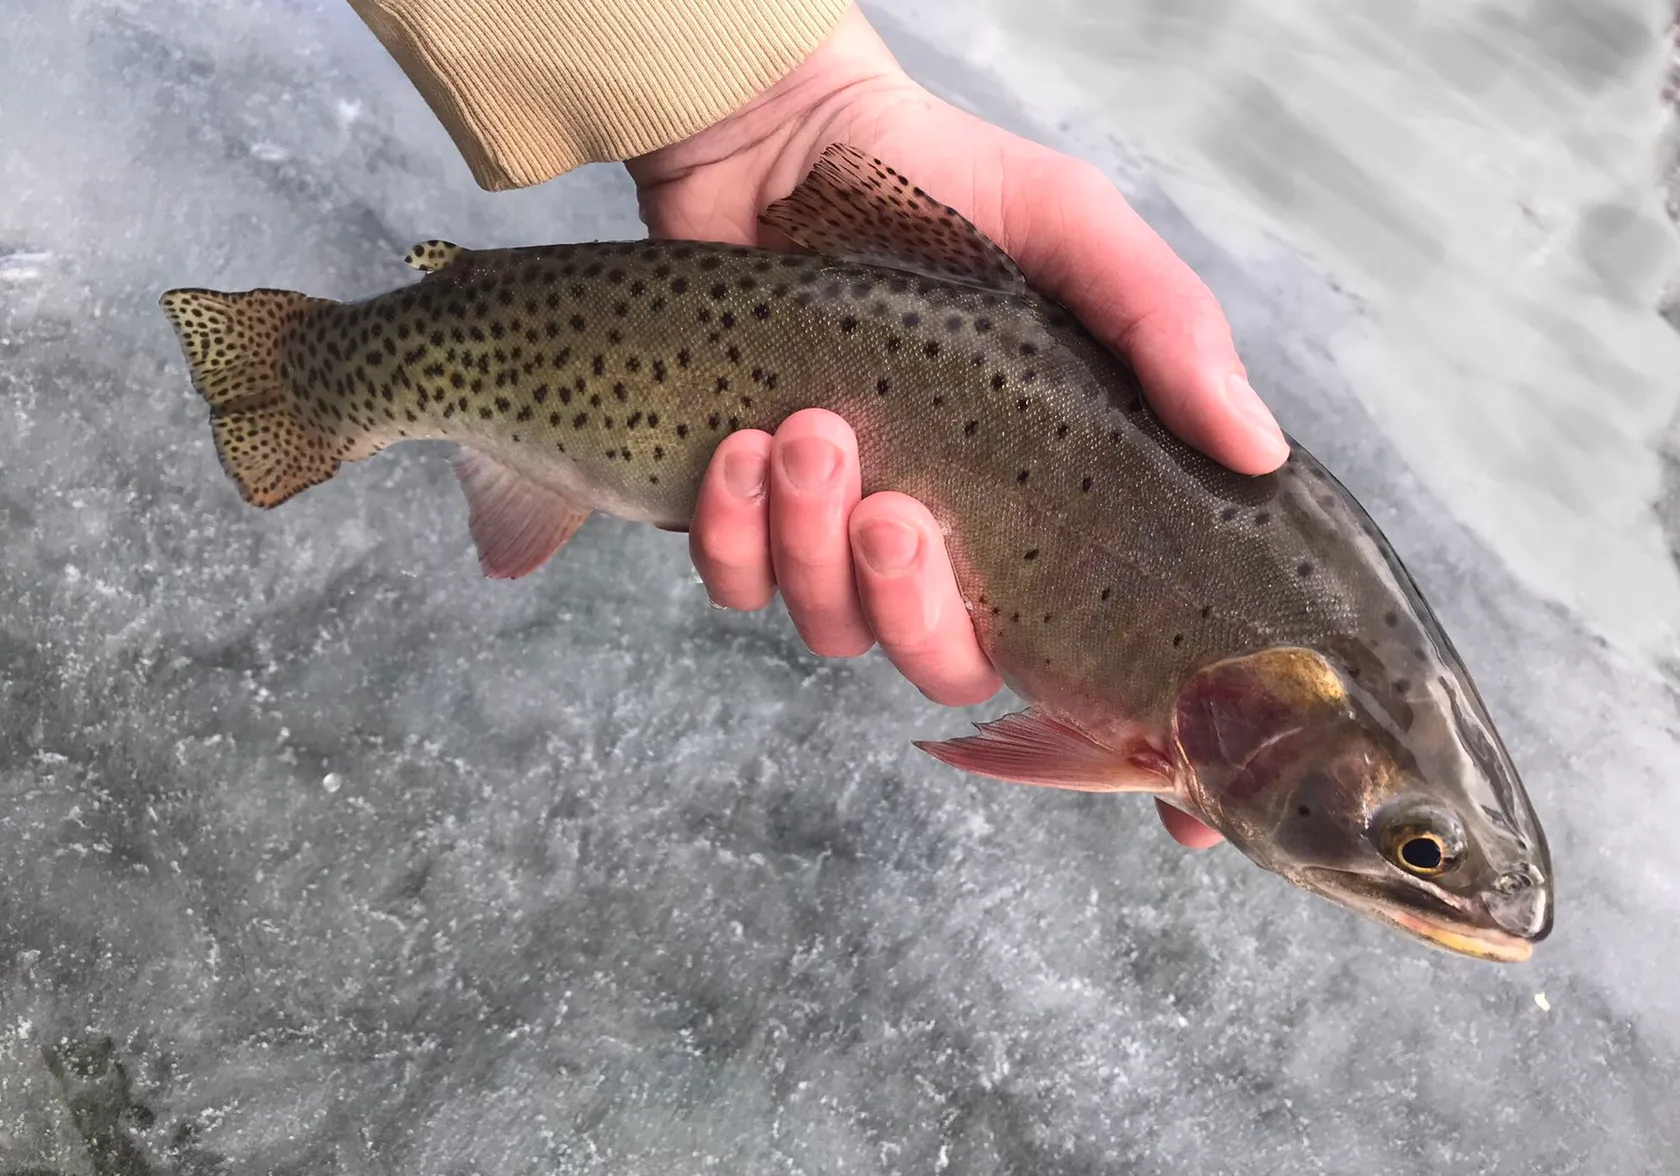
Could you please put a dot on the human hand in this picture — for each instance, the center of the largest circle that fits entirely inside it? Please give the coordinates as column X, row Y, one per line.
column 785, row 511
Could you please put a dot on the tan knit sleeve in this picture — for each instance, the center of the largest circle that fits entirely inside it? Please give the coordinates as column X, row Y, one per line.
column 529, row 89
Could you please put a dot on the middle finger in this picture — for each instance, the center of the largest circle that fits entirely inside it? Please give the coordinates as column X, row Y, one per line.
column 814, row 484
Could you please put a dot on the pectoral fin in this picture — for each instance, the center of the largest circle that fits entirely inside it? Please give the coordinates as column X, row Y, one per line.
column 1031, row 748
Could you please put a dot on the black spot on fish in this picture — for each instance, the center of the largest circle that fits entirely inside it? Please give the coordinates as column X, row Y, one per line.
column 1391, row 618
column 912, row 319
column 930, row 348
column 761, row 311
column 1178, row 639
column 997, row 381
column 1023, row 476
column 1105, row 593
column 969, row 429
column 1085, row 486
column 1229, row 513
column 1031, row 554
column 848, row 324
column 883, row 386
column 1262, row 518
column 1304, row 569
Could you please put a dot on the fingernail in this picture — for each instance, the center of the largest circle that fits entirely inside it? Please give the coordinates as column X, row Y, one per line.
column 743, row 474
column 810, row 462
column 889, row 546
column 1246, row 403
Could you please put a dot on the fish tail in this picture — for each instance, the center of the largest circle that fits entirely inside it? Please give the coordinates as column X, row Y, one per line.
column 233, row 344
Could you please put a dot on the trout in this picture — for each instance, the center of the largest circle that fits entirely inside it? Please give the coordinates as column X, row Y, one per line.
column 1249, row 649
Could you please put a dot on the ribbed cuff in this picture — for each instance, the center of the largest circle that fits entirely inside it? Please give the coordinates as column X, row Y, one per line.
column 529, row 89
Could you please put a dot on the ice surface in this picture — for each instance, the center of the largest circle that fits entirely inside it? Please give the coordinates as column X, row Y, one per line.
column 321, row 854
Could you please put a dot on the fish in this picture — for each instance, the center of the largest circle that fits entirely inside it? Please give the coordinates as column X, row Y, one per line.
column 1249, row 649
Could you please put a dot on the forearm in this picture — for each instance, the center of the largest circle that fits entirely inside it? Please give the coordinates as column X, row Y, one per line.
column 529, row 89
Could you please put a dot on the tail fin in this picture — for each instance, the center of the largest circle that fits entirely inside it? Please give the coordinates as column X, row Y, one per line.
column 232, row 344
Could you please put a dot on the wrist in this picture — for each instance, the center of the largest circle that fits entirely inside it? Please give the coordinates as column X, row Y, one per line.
column 850, row 59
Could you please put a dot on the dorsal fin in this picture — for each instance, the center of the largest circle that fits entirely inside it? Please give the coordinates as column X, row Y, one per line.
column 855, row 207
column 430, row 256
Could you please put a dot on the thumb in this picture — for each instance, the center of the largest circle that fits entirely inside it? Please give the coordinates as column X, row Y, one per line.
column 1078, row 240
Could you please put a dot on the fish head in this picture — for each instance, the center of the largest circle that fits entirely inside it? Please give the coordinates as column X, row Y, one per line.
column 1421, row 824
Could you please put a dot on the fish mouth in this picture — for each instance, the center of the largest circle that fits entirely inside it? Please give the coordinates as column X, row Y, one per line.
column 1436, row 929
column 1482, row 943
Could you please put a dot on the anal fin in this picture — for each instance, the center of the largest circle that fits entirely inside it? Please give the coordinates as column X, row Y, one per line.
column 858, row 208
column 1032, row 748
column 516, row 524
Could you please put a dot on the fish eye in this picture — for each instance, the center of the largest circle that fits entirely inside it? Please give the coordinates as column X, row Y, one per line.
column 1424, row 845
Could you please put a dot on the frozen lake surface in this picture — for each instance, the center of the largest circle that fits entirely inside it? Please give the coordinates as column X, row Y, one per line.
column 320, row 854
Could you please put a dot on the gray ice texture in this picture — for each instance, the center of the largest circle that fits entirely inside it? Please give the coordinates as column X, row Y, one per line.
column 321, row 854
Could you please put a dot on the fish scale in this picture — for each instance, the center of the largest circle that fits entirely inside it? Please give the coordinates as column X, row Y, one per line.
column 1169, row 620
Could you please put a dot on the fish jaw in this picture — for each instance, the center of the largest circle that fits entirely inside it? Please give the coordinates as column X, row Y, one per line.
column 1458, row 936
